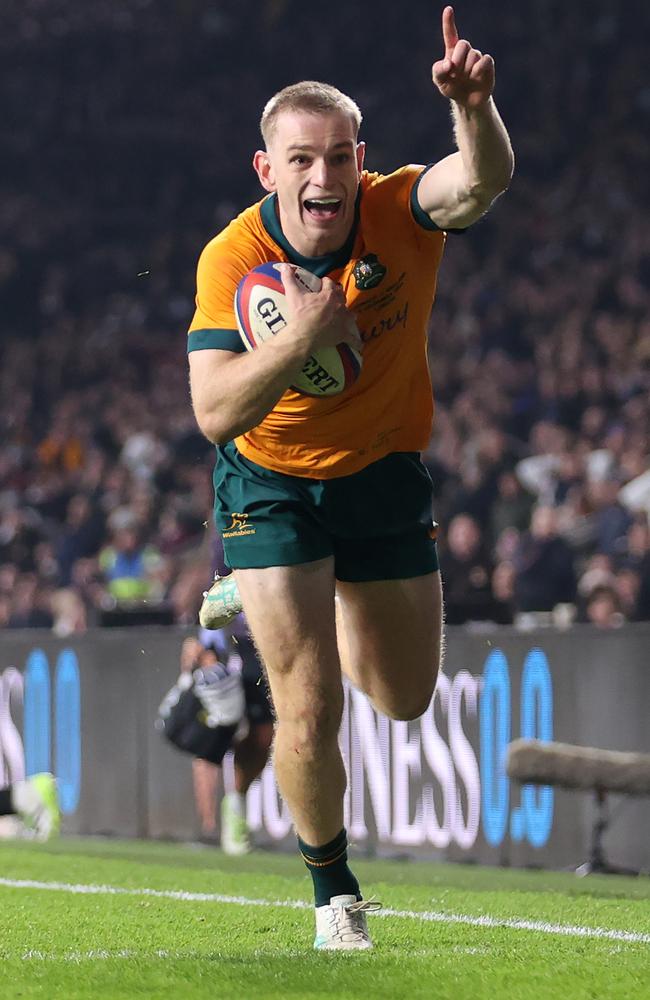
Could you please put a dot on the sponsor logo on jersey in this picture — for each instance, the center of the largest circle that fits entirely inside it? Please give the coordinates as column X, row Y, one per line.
column 239, row 526
column 368, row 272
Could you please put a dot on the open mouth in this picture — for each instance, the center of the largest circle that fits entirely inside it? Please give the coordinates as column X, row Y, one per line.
column 323, row 208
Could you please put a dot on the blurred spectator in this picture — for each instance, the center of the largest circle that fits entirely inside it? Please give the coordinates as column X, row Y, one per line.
column 611, row 519
column 69, row 613
column 88, row 581
column 598, row 572
column 503, row 591
column 19, row 535
column 544, row 569
column 542, row 473
column 637, row 560
column 62, row 448
column 466, row 570
column 8, row 577
column 142, row 454
column 604, row 608
column 636, row 492
column 5, row 611
column 29, row 606
column 129, row 567
column 512, row 506
column 637, row 547
column 81, row 535
column 506, row 545
column 627, row 583
column 643, row 600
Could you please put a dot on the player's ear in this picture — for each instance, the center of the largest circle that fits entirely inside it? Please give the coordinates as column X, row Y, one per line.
column 264, row 170
column 361, row 152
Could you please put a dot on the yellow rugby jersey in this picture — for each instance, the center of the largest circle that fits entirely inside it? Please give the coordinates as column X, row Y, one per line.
column 388, row 268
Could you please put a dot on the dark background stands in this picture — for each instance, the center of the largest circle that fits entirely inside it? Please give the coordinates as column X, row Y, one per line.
column 127, row 132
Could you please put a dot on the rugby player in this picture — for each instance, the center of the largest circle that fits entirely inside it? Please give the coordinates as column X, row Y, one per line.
column 324, row 498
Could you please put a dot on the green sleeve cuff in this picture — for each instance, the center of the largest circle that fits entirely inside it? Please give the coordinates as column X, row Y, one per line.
column 419, row 214
column 210, row 340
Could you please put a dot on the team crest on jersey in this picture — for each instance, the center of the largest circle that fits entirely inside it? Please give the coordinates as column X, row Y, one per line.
column 368, row 272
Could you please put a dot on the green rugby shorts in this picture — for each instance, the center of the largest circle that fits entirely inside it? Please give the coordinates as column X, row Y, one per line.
column 376, row 523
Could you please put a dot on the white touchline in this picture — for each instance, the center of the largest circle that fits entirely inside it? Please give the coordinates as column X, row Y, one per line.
column 431, row 916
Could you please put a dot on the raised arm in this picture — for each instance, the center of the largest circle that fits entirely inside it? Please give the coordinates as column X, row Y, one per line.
column 458, row 189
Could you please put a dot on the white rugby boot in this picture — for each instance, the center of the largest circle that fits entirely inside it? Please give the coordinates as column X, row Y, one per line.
column 341, row 925
column 221, row 603
column 35, row 801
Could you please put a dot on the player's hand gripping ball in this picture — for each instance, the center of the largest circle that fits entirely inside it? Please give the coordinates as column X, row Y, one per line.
column 261, row 311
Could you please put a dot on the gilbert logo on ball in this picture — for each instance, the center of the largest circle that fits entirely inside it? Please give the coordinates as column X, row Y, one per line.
column 261, row 311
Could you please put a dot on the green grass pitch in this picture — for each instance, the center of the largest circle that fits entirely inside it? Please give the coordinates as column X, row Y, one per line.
column 179, row 923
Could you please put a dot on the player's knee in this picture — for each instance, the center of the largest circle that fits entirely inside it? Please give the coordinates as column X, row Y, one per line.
column 409, row 711
column 312, row 726
column 406, row 706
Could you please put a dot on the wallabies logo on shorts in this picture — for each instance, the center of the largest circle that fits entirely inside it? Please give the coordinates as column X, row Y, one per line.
column 239, row 526
column 368, row 272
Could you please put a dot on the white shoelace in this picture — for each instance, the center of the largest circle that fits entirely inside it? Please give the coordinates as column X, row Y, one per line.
column 348, row 923
column 363, row 906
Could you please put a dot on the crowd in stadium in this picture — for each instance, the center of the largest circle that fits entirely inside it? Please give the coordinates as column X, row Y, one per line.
column 126, row 142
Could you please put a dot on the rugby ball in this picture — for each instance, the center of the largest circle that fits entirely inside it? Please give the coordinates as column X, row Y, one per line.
column 261, row 311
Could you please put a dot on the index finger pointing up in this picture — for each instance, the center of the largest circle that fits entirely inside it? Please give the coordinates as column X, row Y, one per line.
column 449, row 30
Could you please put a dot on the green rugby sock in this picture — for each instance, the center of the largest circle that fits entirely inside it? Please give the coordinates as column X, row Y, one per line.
column 328, row 867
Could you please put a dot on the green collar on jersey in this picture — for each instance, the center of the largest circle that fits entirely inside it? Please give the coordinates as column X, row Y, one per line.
column 320, row 266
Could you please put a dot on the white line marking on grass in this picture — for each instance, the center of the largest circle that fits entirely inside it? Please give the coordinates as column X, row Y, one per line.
column 96, row 954
column 566, row 930
column 429, row 916
column 83, row 956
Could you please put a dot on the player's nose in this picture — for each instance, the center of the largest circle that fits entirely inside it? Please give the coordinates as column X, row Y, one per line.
column 321, row 173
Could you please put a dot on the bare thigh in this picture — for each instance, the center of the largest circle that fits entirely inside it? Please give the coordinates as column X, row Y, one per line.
column 291, row 614
column 290, row 611
column 390, row 634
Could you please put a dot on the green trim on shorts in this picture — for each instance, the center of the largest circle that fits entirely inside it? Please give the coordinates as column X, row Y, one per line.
column 220, row 340
column 376, row 523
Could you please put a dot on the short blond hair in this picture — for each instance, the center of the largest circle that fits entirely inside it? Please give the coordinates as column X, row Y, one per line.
column 312, row 96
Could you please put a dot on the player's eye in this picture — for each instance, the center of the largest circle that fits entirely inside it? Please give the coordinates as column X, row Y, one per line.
column 342, row 158
column 298, row 159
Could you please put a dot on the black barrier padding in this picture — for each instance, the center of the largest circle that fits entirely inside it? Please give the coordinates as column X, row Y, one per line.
column 133, row 784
